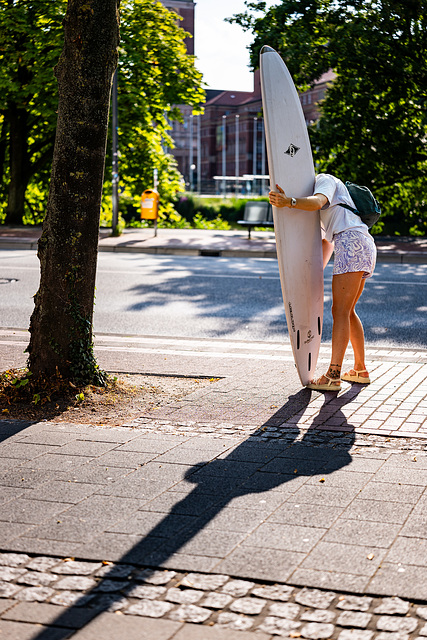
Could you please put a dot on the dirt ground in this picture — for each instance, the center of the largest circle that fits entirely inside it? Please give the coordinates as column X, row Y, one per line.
column 125, row 397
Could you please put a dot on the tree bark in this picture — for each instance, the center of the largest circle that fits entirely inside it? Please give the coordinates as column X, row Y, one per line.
column 61, row 324
column 18, row 163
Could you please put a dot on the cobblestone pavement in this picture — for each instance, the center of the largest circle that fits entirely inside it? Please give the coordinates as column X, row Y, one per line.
column 263, row 509
column 63, row 595
column 311, row 508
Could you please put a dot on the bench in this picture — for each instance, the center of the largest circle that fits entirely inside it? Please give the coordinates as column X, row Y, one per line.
column 257, row 214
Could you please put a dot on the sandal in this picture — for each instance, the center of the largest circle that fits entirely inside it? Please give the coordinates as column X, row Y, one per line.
column 349, row 377
column 329, row 386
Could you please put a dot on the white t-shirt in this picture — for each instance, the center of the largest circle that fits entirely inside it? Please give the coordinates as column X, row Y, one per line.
column 333, row 217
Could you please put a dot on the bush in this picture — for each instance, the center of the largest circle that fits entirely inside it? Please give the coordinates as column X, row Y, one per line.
column 195, row 212
column 229, row 210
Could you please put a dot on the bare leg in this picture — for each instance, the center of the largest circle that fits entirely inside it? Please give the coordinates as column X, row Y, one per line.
column 327, row 250
column 357, row 338
column 346, row 290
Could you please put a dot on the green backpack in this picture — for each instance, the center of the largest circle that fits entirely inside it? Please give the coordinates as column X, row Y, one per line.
column 367, row 207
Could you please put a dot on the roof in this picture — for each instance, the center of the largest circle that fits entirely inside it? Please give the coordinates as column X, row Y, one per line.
column 237, row 98
column 229, row 98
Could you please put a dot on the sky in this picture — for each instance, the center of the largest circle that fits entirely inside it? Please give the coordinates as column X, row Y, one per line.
column 220, row 47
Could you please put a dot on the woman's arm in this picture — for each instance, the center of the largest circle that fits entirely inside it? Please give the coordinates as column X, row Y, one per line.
column 310, row 203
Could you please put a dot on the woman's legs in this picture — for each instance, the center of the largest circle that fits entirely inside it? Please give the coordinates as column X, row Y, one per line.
column 357, row 338
column 346, row 290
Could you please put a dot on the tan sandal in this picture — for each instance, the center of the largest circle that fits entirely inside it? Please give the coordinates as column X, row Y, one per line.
column 349, row 377
column 329, row 386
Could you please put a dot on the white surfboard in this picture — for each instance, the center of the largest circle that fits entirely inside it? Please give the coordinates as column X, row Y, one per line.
column 298, row 235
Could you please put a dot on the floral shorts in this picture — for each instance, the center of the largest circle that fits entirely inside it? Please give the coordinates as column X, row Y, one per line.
column 354, row 251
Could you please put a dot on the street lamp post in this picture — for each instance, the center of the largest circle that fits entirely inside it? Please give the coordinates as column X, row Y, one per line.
column 115, row 169
column 236, row 157
column 263, row 156
column 224, row 155
column 254, row 149
column 254, row 153
column 191, row 160
column 199, row 154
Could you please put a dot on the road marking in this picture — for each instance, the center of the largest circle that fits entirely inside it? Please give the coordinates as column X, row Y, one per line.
column 231, row 276
column 221, row 349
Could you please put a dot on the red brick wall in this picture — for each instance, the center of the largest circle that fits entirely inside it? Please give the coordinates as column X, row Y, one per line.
column 185, row 9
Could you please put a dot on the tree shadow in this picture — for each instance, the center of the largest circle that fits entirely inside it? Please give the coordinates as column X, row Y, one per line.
column 256, row 466
column 196, row 285
column 9, row 428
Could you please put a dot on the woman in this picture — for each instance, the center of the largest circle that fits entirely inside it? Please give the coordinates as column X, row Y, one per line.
column 355, row 257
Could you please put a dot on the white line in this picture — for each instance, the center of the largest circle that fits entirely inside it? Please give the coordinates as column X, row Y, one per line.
column 418, row 284
column 196, row 354
column 14, row 343
column 186, row 274
column 177, row 274
column 2, row 266
column 175, row 352
column 174, row 274
column 192, row 342
column 284, row 357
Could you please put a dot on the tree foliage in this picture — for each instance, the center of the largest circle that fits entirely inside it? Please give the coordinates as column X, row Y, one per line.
column 30, row 44
column 373, row 122
column 155, row 73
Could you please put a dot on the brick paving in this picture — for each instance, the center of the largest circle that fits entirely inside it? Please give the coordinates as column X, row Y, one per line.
column 251, row 517
column 250, row 509
column 284, row 507
column 215, row 603
column 394, row 404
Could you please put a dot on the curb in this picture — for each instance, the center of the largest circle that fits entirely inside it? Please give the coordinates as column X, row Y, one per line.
column 412, row 257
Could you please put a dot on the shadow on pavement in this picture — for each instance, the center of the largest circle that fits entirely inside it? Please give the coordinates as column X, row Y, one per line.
column 252, row 467
column 9, row 428
column 194, row 285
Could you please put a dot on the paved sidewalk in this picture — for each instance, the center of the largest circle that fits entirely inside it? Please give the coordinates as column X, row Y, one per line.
column 268, row 510
column 259, row 386
column 251, row 509
column 195, row 242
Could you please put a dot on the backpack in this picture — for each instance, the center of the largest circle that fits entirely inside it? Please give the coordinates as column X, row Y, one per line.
column 367, row 207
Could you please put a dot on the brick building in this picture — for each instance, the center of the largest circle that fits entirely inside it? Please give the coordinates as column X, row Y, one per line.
column 228, row 139
column 185, row 9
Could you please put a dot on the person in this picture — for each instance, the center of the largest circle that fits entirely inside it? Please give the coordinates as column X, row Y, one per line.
column 354, row 262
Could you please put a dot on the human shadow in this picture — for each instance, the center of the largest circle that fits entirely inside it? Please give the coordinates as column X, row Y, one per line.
column 260, row 465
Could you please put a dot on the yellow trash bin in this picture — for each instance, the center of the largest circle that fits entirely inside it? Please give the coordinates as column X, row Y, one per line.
column 150, row 206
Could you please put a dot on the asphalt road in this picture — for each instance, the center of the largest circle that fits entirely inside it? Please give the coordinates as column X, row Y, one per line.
column 217, row 298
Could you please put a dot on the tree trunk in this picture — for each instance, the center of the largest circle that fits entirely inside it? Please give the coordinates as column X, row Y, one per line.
column 3, row 147
column 61, row 323
column 18, row 163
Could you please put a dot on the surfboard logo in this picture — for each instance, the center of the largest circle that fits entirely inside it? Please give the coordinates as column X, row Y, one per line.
column 292, row 150
column 310, row 337
column 292, row 317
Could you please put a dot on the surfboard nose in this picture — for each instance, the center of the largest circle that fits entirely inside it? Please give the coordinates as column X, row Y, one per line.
column 267, row 49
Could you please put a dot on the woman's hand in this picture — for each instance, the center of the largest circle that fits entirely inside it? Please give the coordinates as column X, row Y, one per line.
column 308, row 203
column 280, row 199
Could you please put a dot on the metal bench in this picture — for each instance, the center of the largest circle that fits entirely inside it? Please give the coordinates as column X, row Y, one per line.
column 257, row 214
